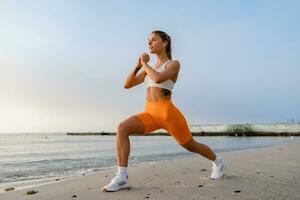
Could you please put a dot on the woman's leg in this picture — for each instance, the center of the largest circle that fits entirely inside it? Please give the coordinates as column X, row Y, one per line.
column 199, row 148
column 169, row 117
column 140, row 123
column 131, row 125
column 218, row 164
column 177, row 126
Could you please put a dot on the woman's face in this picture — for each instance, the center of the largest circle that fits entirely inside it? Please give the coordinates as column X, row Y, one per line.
column 155, row 43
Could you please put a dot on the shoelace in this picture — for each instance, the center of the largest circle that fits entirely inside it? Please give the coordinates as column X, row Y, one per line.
column 115, row 178
column 214, row 166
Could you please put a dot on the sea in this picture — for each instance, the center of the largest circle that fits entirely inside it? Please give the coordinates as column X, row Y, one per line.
column 33, row 159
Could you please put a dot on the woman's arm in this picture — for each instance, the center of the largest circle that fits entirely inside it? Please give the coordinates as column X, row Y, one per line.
column 159, row 77
column 133, row 79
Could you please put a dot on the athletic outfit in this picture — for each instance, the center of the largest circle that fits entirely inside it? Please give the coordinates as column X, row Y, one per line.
column 162, row 115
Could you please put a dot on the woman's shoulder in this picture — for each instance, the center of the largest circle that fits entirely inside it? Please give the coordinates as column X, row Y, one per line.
column 174, row 62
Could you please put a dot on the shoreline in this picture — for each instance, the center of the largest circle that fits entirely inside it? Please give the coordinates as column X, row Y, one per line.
column 144, row 175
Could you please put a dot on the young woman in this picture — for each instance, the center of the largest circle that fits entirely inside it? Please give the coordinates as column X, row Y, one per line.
column 160, row 112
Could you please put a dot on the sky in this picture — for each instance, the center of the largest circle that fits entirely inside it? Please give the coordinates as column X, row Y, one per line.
column 63, row 63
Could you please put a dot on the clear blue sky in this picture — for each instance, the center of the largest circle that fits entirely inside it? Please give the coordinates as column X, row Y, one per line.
column 63, row 63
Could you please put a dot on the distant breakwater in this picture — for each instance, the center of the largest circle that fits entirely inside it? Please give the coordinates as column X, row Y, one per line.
column 274, row 129
column 200, row 134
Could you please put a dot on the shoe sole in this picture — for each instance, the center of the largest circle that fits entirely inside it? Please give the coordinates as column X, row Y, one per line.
column 125, row 187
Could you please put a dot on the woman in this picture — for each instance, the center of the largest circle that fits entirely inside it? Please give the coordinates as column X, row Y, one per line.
column 160, row 111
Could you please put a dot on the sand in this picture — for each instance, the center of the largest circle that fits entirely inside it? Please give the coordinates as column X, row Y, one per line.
column 265, row 173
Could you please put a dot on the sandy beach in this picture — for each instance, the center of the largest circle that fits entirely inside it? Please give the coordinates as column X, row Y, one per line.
column 265, row 173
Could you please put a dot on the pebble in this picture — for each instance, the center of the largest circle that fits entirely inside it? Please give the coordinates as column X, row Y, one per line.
column 9, row 189
column 30, row 192
column 74, row 196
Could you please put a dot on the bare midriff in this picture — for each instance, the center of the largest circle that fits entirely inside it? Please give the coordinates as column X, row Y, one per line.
column 158, row 94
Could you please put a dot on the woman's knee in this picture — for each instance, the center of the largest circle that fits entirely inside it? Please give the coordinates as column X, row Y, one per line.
column 129, row 126
column 190, row 145
column 122, row 129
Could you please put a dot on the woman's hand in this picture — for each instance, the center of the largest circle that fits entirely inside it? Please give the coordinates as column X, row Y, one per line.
column 138, row 63
column 144, row 58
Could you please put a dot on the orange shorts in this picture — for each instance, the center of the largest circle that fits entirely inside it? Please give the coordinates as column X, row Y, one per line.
column 164, row 115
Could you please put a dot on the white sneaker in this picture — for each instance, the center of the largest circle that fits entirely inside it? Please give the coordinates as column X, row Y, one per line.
column 218, row 170
column 117, row 183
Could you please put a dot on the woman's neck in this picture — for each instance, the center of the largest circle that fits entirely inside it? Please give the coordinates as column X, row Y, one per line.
column 161, row 58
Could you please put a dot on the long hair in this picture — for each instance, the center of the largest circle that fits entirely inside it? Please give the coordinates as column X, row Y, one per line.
column 165, row 37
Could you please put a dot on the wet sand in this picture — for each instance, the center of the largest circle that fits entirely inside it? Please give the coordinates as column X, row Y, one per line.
column 265, row 173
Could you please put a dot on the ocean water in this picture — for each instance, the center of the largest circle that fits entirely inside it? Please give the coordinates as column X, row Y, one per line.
column 33, row 159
